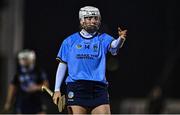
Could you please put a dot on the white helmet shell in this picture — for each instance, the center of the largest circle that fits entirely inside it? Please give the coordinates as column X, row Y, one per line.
column 28, row 54
column 88, row 11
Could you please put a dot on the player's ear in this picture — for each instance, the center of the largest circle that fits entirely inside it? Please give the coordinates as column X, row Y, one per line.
column 81, row 21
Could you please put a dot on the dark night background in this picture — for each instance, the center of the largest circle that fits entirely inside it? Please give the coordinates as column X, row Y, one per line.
column 141, row 61
column 149, row 57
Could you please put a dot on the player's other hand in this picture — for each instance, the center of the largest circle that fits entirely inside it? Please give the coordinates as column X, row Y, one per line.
column 56, row 97
column 122, row 33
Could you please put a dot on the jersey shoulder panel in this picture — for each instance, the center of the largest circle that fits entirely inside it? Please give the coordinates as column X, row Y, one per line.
column 71, row 39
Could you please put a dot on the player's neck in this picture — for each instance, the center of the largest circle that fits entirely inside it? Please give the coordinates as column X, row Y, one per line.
column 85, row 34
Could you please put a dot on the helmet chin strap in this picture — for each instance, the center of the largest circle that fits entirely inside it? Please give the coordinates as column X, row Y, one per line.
column 85, row 34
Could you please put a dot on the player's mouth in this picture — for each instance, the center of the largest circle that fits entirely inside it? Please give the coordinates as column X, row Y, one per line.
column 91, row 28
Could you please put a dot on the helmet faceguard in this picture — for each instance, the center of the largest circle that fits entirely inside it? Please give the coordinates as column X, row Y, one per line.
column 89, row 11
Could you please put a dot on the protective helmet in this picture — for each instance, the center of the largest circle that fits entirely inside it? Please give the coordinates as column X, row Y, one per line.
column 27, row 54
column 88, row 11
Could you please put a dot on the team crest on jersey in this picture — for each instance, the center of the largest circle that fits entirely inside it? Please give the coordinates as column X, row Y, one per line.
column 70, row 94
column 79, row 46
column 95, row 47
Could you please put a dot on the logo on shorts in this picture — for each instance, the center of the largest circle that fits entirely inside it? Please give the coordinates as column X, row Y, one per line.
column 70, row 94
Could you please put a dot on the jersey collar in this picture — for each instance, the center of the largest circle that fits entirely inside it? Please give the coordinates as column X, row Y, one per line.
column 87, row 35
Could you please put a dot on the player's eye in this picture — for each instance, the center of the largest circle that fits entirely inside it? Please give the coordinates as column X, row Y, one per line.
column 96, row 18
column 88, row 18
column 92, row 17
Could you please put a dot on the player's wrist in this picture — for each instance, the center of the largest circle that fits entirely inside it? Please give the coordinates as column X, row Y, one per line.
column 56, row 90
column 122, row 38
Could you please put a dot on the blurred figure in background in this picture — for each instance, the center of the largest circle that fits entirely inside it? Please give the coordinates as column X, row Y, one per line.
column 25, row 86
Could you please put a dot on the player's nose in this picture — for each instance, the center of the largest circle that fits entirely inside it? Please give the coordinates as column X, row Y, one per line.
column 93, row 20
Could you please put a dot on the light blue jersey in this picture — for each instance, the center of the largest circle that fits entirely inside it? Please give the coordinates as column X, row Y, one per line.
column 86, row 58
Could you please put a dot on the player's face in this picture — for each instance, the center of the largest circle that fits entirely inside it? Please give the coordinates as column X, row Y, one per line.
column 25, row 62
column 91, row 24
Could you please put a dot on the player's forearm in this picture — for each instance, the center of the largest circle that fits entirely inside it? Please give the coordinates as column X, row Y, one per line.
column 61, row 70
column 117, row 43
column 11, row 92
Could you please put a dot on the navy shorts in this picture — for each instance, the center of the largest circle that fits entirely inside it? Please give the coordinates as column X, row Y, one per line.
column 87, row 93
